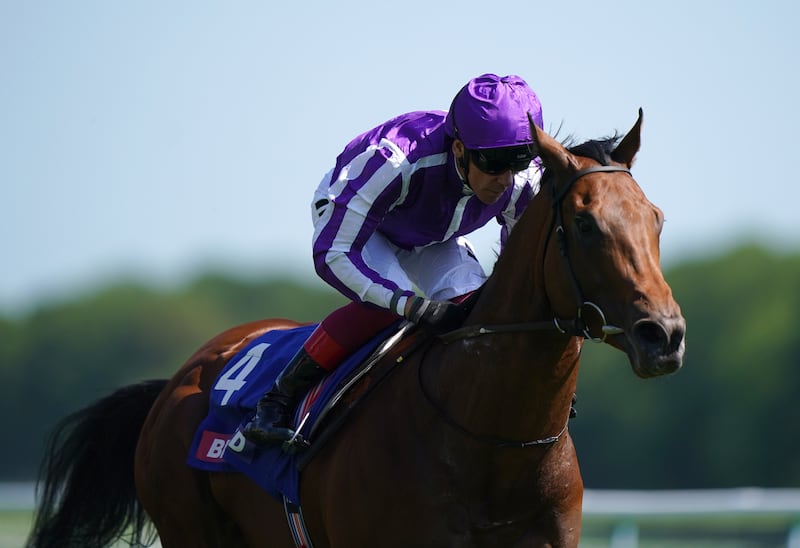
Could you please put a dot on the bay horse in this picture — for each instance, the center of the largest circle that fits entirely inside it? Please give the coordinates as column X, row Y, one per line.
column 465, row 444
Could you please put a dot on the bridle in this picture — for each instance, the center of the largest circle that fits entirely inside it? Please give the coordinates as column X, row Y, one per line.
column 578, row 326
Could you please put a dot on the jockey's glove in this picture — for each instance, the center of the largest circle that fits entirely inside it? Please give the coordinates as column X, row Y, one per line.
column 436, row 316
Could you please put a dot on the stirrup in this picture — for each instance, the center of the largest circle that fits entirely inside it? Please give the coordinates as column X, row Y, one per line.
column 259, row 435
column 297, row 443
column 257, row 430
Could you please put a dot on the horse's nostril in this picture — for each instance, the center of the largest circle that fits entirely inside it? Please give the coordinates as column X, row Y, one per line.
column 664, row 337
column 651, row 333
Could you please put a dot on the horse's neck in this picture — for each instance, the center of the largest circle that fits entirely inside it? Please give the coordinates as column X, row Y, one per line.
column 519, row 383
column 516, row 291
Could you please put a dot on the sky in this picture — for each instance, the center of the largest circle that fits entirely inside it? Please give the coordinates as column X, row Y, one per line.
column 154, row 141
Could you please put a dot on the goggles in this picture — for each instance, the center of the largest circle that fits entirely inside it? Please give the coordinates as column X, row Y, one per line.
column 495, row 161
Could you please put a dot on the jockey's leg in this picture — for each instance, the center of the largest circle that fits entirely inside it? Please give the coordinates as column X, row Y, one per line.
column 444, row 271
column 271, row 424
column 340, row 334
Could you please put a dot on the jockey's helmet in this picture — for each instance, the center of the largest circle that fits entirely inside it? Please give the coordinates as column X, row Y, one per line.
column 491, row 111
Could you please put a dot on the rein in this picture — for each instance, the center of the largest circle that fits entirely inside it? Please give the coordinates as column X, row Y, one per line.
column 484, row 439
column 577, row 327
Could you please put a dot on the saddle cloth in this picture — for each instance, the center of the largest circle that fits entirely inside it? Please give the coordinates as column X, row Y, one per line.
column 218, row 445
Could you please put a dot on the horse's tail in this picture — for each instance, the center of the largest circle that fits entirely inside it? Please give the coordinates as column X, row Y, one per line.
column 86, row 493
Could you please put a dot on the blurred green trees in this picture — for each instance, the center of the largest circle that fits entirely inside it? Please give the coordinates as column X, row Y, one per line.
column 728, row 418
column 64, row 356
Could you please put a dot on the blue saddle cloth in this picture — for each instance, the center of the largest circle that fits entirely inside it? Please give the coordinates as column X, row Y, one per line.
column 218, row 445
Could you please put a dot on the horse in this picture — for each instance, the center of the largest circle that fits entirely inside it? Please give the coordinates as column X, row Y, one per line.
column 465, row 443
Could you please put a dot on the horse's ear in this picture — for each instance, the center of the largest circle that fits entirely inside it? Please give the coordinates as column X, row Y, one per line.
column 553, row 154
column 626, row 150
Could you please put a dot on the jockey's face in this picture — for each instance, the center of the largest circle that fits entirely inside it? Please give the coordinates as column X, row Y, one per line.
column 488, row 187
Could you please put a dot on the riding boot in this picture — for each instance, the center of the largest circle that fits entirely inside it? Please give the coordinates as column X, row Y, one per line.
column 271, row 423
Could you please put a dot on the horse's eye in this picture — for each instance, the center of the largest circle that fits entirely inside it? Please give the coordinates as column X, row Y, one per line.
column 584, row 224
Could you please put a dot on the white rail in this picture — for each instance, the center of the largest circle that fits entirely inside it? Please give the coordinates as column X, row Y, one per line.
column 627, row 517
column 721, row 512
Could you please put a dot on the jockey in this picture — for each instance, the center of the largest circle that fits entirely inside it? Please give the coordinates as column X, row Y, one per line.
column 390, row 219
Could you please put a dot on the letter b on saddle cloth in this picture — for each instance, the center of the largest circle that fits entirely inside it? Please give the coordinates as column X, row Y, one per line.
column 219, row 446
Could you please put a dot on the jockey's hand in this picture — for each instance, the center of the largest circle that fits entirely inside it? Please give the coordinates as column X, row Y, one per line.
column 436, row 316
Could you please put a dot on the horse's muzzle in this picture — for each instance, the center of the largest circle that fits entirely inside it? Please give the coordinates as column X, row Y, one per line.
column 658, row 345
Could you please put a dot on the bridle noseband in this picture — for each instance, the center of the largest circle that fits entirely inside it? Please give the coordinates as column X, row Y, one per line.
column 577, row 327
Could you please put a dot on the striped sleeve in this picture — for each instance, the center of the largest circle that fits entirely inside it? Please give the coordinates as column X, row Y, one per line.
column 363, row 191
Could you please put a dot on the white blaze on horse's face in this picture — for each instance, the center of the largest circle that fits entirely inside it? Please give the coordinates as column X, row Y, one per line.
column 612, row 236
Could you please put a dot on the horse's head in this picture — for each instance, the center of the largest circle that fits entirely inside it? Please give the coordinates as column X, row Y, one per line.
column 606, row 263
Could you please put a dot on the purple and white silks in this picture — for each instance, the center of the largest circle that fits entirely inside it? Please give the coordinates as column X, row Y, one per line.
column 397, row 187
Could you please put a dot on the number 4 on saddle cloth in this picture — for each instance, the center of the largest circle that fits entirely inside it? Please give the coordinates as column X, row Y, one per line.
column 219, row 446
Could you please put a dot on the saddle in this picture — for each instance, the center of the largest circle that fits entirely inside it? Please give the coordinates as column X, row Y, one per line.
column 219, row 446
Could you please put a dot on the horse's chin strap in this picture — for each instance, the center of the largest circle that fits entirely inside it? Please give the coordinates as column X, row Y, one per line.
column 579, row 327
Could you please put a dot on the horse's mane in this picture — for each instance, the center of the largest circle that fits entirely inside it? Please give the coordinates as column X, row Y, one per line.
column 596, row 149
